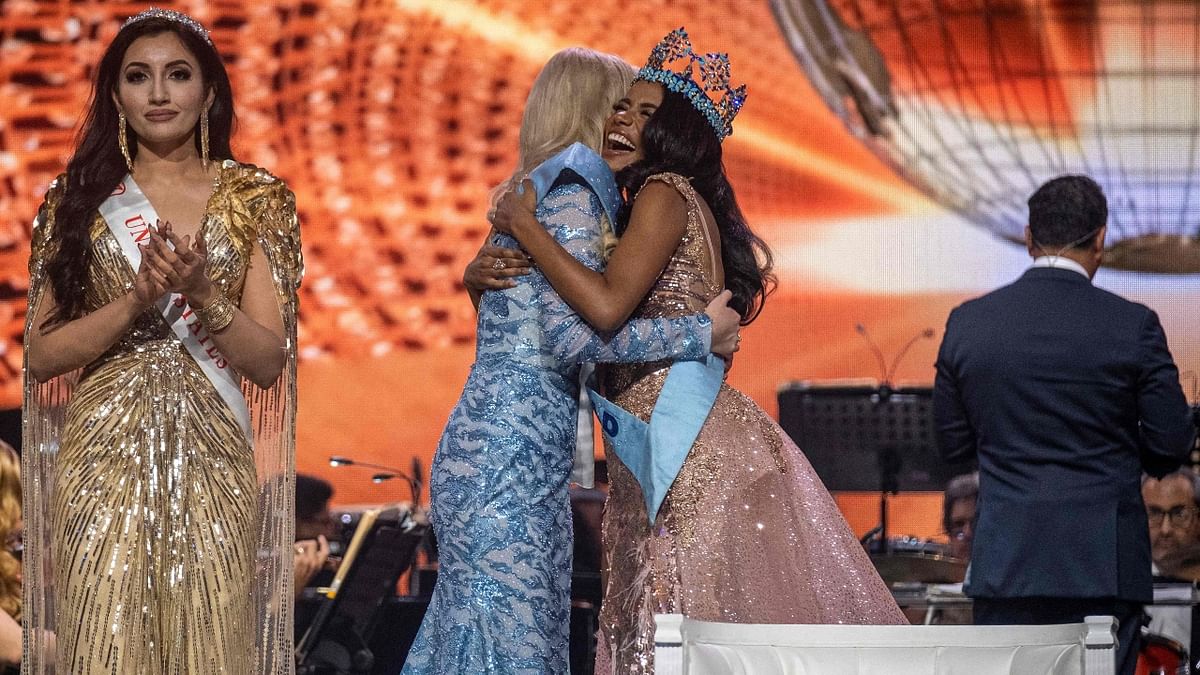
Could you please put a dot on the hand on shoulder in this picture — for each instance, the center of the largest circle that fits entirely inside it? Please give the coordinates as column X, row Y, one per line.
column 515, row 209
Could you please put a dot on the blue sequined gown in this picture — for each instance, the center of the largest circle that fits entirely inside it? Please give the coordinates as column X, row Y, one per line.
column 499, row 479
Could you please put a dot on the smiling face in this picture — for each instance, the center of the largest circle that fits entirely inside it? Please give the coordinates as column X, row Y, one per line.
column 623, row 130
column 160, row 90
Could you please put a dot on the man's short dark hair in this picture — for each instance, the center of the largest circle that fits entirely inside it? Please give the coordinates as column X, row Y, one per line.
column 964, row 486
column 1065, row 211
column 312, row 496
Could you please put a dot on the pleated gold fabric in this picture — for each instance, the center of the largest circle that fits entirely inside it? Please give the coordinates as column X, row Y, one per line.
column 158, row 539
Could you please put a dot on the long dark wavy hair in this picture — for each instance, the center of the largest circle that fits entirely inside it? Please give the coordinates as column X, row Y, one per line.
column 678, row 139
column 97, row 165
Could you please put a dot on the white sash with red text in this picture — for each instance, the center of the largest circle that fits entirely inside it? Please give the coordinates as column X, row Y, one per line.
column 129, row 216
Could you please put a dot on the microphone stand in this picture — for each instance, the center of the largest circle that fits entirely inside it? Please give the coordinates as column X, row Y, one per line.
column 889, row 459
column 923, row 335
column 389, row 473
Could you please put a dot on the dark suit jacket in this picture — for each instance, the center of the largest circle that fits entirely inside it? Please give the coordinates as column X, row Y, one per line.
column 1067, row 393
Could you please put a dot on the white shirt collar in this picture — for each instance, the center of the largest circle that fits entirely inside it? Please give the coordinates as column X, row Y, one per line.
column 1060, row 262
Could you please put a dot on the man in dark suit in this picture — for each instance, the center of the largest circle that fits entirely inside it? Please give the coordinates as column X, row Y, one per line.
column 1066, row 393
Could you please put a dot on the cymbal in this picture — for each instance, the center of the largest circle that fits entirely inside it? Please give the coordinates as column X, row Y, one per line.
column 919, row 567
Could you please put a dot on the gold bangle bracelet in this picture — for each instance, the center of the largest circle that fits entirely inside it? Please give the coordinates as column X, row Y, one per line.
column 217, row 314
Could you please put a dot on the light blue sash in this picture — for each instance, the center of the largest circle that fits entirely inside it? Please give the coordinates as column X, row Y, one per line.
column 655, row 452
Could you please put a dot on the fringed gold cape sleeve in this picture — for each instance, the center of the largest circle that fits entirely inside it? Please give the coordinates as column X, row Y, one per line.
column 43, row 410
column 274, row 414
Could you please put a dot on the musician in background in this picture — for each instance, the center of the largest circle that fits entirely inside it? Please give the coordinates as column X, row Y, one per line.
column 315, row 527
column 958, row 513
column 1066, row 393
column 1172, row 507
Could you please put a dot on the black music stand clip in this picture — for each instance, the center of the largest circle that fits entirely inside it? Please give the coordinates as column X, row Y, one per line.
column 867, row 438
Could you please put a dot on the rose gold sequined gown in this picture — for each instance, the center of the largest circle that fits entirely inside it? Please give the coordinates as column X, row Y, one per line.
column 154, row 512
column 747, row 533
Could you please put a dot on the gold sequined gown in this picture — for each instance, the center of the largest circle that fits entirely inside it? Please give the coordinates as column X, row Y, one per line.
column 155, row 506
column 747, row 532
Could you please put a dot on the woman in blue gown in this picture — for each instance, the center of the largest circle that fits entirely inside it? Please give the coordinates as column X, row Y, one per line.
column 499, row 480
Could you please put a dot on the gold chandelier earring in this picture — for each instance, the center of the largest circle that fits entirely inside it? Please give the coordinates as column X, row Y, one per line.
column 204, row 137
column 123, row 140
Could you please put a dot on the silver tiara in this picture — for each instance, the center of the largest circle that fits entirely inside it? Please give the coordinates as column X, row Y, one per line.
column 170, row 15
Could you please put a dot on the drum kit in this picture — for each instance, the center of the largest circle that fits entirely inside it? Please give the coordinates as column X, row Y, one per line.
column 925, row 580
column 927, row 584
column 863, row 438
column 1161, row 655
column 910, row 560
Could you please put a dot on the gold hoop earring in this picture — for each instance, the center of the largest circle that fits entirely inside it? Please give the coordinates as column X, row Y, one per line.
column 123, row 141
column 204, row 137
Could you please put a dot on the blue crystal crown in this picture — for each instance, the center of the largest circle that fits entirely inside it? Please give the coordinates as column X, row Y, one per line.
column 170, row 15
column 674, row 63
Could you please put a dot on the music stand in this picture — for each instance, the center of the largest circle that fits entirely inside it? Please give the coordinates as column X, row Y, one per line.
column 867, row 438
column 383, row 547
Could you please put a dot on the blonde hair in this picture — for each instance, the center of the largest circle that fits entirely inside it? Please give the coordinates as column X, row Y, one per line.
column 569, row 102
column 10, row 521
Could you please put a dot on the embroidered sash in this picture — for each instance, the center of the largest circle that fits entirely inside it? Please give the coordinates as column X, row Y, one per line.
column 655, row 452
column 129, row 215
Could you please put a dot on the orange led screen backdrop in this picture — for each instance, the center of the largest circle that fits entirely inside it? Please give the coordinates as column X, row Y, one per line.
column 391, row 120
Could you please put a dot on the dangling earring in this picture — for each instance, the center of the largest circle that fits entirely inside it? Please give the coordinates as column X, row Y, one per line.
column 204, row 137
column 123, row 141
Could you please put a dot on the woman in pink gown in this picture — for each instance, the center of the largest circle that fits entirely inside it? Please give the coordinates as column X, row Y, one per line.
column 747, row 532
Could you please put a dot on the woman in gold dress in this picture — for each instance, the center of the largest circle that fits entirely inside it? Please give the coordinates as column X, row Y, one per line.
column 746, row 533
column 157, row 483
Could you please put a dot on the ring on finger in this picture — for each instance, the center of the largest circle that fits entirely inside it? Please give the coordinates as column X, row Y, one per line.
column 499, row 264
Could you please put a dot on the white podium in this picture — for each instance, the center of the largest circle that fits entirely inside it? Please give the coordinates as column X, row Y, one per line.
column 688, row 647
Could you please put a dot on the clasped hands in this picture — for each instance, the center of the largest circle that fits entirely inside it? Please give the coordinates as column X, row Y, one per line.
column 172, row 264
